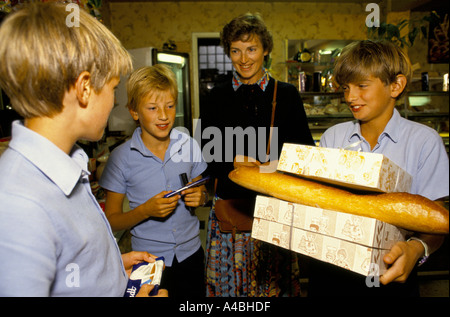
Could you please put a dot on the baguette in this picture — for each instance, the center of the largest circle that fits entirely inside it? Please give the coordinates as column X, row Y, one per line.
column 408, row 211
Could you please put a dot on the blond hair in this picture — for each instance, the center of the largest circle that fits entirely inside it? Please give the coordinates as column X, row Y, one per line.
column 149, row 81
column 381, row 59
column 42, row 56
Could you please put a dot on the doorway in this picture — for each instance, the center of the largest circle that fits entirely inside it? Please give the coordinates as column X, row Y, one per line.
column 210, row 66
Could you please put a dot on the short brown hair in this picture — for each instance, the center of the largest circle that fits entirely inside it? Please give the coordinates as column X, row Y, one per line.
column 381, row 59
column 150, row 80
column 243, row 28
column 42, row 56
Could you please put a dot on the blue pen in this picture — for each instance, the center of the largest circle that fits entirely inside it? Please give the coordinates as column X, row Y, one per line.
column 194, row 184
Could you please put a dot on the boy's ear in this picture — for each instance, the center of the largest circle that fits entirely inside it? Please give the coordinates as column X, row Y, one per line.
column 398, row 85
column 134, row 114
column 83, row 88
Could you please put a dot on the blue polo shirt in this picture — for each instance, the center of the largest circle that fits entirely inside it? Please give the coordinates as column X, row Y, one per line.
column 416, row 148
column 54, row 238
column 132, row 169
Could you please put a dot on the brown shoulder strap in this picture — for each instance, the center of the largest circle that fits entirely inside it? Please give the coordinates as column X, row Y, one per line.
column 274, row 105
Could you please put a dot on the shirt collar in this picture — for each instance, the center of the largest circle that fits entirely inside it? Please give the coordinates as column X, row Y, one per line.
column 62, row 169
column 391, row 129
column 177, row 139
column 262, row 82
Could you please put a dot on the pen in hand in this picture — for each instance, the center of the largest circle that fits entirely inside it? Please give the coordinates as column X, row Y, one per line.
column 184, row 181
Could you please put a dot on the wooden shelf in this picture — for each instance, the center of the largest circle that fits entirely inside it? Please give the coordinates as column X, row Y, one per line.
column 320, row 93
column 427, row 93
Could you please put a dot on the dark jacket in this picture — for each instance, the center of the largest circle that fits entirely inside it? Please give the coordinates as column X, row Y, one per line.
column 249, row 107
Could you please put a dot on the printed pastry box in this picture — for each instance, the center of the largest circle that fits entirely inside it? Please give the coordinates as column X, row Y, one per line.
column 350, row 241
column 351, row 256
column 272, row 232
column 352, row 169
column 355, row 257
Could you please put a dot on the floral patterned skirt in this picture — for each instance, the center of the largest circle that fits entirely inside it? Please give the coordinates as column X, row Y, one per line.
column 240, row 266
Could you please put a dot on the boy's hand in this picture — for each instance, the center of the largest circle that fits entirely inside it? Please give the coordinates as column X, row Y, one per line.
column 147, row 288
column 194, row 197
column 402, row 259
column 161, row 207
column 134, row 257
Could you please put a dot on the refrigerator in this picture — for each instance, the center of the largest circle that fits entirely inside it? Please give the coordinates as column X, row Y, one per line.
column 120, row 119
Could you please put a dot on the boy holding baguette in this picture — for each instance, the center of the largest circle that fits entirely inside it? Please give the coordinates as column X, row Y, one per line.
column 54, row 238
column 373, row 76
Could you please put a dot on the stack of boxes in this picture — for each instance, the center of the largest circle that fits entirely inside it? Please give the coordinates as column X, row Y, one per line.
column 353, row 242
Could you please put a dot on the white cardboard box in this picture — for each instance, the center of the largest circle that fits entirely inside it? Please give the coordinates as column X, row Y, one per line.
column 351, row 256
column 350, row 241
column 352, row 169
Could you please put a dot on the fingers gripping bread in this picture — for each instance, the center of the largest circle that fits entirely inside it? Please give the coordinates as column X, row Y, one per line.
column 408, row 211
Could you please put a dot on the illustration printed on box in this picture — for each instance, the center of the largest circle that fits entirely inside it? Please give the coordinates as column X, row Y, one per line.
column 275, row 210
column 392, row 179
column 268, row 209
column 353, row 229
column 281, row 237
column 272, row 232
column 289, row 217
column 352, row 167
column 260, row 229
column 337, row 257
column 316, row 219
column 339, row 252
column 308, row 244
column 387, row 178
column 365, row 265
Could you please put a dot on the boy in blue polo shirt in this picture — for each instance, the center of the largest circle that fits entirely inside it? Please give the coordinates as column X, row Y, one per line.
column 54, row 238
column 374, row 75
column 147, row 167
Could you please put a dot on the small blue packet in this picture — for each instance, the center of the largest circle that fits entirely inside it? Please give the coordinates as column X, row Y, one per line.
column 145, row 273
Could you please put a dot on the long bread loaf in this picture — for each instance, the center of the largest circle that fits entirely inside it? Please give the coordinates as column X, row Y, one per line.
column 408, row 211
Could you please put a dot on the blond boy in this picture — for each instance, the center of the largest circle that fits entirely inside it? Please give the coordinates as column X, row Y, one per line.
column 147, row 167
column 54, row 238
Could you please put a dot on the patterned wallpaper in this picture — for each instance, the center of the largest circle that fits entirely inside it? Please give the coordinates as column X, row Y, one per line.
column 139, row 24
